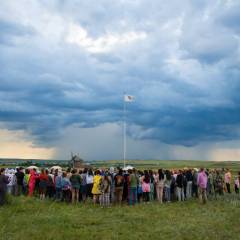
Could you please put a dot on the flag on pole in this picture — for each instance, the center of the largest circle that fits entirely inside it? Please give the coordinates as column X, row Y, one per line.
column 128, row 98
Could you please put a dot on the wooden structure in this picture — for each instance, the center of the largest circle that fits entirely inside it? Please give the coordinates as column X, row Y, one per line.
column 76, row 162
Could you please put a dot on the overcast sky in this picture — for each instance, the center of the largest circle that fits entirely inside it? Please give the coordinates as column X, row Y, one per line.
column 65, row 65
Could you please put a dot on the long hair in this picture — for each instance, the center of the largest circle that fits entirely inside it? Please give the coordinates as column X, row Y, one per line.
column 97, row 172
column 120, row 171
column 168, row 175
column 160, row 174
column 146, row 177
column 107, row 178
column 90, row 172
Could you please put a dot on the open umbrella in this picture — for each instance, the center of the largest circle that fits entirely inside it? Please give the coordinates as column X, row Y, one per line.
column 127, row 168
column 56, row 167
column 32, row 167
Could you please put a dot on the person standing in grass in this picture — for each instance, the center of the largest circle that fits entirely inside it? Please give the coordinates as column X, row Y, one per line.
column 112, row 189
column 104, row 198
column 236, row 184
column 219, row 183
column 194, row 183
column 75, row 180
column 202, row 184
column 184, row 184
column 173, row 186
column 66, row 188
column 96, row 191
column 125, row 186
column 89, row 180
column 227, row 178
column 189, row 178
column 210, row 183
column 43, row 181
column 146, row 186
column 159, row 181
column 3, row 186
column 132, row 187
column 179, row 183
column 83, row 188
column 139, row 187
column 58, row 185
column 152, row 185
column 50, row 184
column 12, row 182
column 32, row 181
column 167, row 185
column 26, row 181
column 119, row 181
column 19, row 184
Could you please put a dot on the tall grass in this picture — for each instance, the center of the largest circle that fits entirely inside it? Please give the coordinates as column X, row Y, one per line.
column 25, row 218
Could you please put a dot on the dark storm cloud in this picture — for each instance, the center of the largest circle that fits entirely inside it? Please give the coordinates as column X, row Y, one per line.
column 183, row 69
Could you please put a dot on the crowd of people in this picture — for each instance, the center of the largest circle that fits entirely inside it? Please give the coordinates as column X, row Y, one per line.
column 115, row 186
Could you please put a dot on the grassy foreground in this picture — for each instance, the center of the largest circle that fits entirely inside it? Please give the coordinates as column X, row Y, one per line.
column 25, row 218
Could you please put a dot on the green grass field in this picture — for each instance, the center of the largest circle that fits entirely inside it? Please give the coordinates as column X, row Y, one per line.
column 168, row 164
column 24, row 218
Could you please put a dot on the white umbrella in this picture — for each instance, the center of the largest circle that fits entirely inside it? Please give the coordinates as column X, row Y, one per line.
column 56, row 167
column 128, row 168
column 32, row 167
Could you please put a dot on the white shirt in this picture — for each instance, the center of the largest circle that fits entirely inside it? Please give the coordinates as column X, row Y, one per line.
column 89, row 179
column 11, row 179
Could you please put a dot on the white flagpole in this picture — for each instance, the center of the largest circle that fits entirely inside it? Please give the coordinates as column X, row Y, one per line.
column 124, row 132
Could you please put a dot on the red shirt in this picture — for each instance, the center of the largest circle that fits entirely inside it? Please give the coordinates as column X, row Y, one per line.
column 43, row 177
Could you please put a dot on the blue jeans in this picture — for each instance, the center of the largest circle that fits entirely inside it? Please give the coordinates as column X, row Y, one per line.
column 132, row 195
column 168, row 194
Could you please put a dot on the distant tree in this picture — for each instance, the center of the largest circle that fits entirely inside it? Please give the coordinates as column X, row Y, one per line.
column 28, row 163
